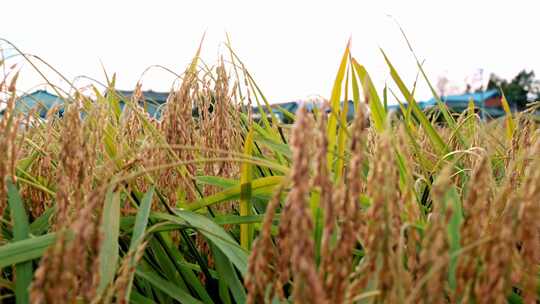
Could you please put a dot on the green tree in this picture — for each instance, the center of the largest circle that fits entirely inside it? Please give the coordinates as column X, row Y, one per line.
column 522, row 89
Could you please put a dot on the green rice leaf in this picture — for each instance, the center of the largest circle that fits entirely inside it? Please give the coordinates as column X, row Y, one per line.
column 453, row 201
column 229, row 219
column 41, row 225
column 137, row 298
column 187, row 277
column 27, row 250
column 167, row 287
column 228, row 276
column 282, row 148
column 217, row 181
column 214, row 233
column 141, row 221
column 108, row 256
column 258, row 186
column 21, row 231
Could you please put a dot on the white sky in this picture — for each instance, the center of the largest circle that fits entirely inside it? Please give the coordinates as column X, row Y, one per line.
column 292, row 48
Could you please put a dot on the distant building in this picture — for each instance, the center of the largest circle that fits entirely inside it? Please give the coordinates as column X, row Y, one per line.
column 284, row 111
column 488, row 103
column 42, row 101
column 39, row 101
column 152, row 102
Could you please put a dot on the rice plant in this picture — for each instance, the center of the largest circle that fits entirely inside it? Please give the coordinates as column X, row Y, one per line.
column 101, row 203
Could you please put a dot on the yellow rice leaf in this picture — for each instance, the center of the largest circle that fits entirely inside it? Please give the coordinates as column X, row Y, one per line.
column 263, row 185
column 334, row 103
column 342, row 132
column 510, row 125
column 378, row 113
column 435, row 138
column 246, row 230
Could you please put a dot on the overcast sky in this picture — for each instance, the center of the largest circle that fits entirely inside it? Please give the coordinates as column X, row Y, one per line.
column 292, row 48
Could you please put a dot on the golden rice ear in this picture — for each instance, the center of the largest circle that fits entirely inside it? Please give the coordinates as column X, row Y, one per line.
column 178, row 128
column 380, row 236
column 297, row 246
column 494, row 281
column 345, row 207
column 261, row 274
column 67, row 270
column 434, row 255
column 221, row 131
column 323, row 183
column 72, row 176
column 9, row 128
column 528, row 230
column 8, row 150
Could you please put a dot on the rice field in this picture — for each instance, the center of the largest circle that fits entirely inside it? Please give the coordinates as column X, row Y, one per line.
column 104, row 205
